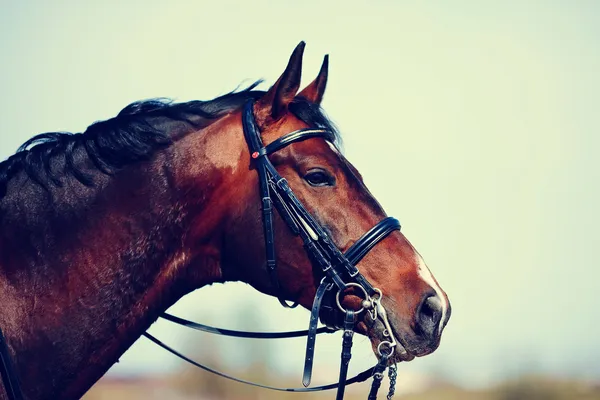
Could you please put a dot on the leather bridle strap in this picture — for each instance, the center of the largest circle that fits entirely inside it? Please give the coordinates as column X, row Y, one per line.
column 8, row 373
column 296, row 136
column 349, row 320
column 254, row 143
column 362, row 246
column 311, row 336
column 377, row 377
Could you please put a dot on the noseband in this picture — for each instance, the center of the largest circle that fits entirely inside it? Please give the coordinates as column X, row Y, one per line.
column 337, row 269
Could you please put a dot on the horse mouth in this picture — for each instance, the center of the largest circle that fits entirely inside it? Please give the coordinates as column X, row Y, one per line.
column 378, row 334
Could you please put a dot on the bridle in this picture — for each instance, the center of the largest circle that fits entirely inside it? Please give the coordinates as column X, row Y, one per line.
column 338, row 270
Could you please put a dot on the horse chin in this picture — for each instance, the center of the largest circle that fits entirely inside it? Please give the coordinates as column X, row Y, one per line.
column 376, row 332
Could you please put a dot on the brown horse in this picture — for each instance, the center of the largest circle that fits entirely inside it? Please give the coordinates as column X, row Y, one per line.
column 102, row 231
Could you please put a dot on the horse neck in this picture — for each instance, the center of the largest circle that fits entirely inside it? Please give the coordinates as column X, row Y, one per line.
column 81, row 287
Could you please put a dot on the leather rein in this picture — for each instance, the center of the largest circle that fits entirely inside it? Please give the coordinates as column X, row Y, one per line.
column 338, row 269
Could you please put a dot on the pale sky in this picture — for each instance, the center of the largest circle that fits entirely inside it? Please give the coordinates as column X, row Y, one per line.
column 474, row 123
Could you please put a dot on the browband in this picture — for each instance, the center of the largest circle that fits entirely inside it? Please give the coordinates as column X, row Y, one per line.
column 298, row 136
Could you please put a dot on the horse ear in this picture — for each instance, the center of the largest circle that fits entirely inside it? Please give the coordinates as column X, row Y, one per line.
column 315, row 90
column 281, row 94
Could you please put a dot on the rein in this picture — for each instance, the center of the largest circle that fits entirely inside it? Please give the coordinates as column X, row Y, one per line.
column 8, row 372
column 338, row 270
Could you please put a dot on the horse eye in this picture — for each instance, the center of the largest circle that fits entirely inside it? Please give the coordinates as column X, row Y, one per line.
column 319, row 178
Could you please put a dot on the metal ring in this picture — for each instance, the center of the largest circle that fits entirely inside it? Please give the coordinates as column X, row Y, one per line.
column 337, row 297
column 379, row 292
column 388, row 344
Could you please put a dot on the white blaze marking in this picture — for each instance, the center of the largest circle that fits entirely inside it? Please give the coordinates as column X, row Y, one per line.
column 426, row 275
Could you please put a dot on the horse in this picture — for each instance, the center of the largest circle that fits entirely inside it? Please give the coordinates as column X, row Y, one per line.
column 102, row 231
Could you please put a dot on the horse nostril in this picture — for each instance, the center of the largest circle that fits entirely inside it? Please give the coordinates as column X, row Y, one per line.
column 430, row 315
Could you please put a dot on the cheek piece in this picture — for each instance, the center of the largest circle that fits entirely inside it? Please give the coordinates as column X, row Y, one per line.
column 338, row 271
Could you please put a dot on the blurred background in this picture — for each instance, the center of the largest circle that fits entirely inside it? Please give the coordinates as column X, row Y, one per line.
column 475, row 123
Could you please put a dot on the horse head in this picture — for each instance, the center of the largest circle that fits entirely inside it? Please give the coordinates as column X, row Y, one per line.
column 333, row 192
column 102, row 231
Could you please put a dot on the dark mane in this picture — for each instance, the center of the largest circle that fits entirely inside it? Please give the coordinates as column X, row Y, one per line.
column 133, row 135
